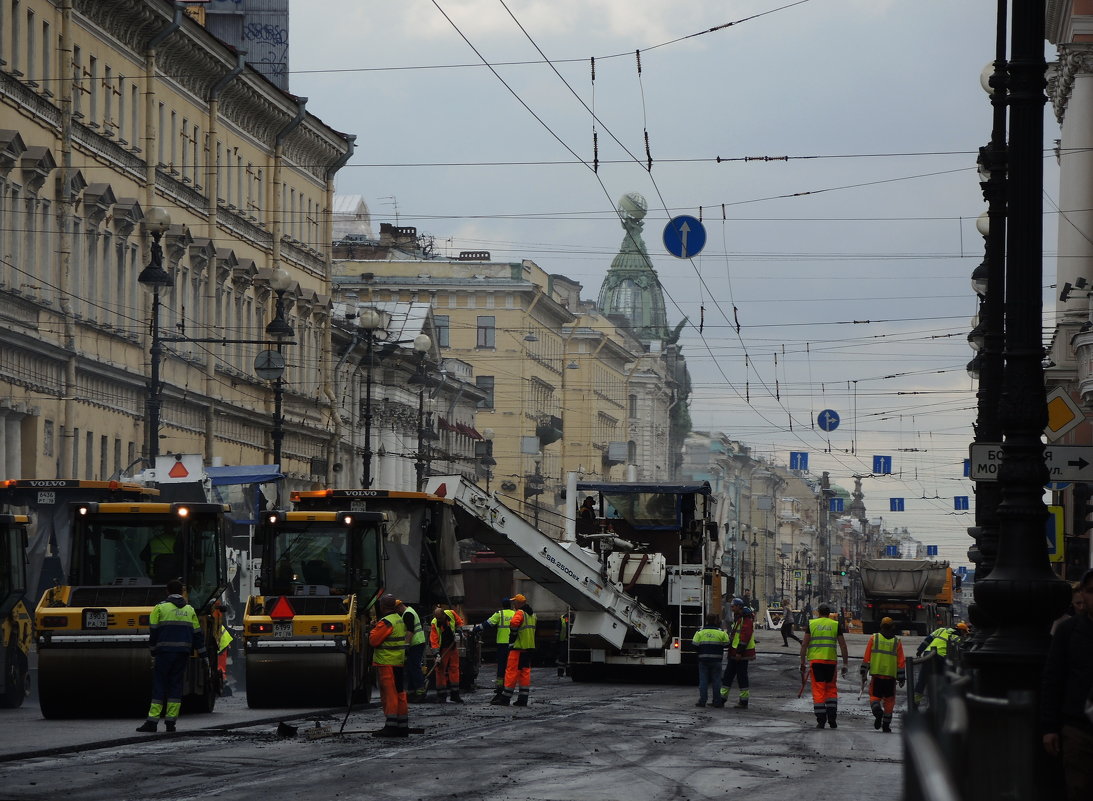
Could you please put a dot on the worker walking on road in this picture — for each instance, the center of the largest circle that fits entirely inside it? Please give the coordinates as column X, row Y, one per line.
column 710, row 642
column 500, row 620
column 174, row 634
column 446, row 623
column 818, row 656
column 521, row 650
column 884, row 660
column 741, row 652
column 388, row 641
column 415, row 651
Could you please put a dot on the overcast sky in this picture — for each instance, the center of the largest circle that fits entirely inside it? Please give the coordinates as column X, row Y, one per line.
column 845, row 258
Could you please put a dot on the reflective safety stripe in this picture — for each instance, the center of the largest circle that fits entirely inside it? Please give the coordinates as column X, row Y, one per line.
column 883, row 655
column 823, row 634
column 392, row 651
column 418, row 633
column 525, row 634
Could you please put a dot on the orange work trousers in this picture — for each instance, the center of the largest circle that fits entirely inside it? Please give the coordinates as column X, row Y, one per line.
column 518, row 669
column 447, row 668
column 392, row 694
column 825, row 693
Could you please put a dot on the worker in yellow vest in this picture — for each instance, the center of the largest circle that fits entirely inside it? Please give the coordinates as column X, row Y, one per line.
column 518, row 670
column 174, row 633
column 500, row 620
column 415, row 651
column 884, row 661
column 818, row 652
column 444, row 637
column 388, row 641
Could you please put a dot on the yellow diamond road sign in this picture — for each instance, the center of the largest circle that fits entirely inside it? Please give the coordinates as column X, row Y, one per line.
column 1063, row 414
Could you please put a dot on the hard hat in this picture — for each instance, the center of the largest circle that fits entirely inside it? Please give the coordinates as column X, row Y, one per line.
column 886, row 621
column 518, row 597
column 387, row 601
column 737, row 602
column 962, row 626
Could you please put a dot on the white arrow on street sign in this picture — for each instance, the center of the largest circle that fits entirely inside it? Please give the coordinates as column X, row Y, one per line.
column 1064, row 462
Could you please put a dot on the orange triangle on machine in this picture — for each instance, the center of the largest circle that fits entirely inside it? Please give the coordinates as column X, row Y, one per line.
column 282, row 609
column 178, row 470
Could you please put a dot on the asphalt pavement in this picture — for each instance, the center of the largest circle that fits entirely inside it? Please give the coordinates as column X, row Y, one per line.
column 575, row 741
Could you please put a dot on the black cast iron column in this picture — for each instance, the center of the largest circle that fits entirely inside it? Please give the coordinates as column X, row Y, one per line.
column 988, row 427
column 1022, row 595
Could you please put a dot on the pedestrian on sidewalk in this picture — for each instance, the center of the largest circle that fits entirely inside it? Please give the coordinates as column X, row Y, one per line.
column 786, row 628
column 388, row 641
column 741, row 652
column 1067, row 684
column 884, row 660
column 710, row 642
column 818, row 654
column 174, row 633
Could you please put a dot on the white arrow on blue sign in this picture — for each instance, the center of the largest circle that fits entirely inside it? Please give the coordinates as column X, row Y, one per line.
column 684, row 236
column 895, row 504
column 882, row 465
column 798, row 460
column 828, row 419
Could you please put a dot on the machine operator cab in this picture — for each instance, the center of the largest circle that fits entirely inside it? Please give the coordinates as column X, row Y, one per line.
column 322, row 553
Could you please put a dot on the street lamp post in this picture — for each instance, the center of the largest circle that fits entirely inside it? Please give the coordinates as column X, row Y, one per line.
column 153, row 278
column 754, row 558
column 487, row 459
column 280, row 329
column 369, row 321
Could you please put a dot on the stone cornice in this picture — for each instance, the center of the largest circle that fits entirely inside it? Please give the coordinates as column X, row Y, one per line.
column 1074, row 60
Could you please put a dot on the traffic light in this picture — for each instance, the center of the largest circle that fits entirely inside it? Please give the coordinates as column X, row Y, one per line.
column 838, row 572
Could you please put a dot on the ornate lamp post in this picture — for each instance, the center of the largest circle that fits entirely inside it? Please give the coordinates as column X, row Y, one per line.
column 270, row 364
column 487, row 460
column 370, row 322
column 154, row 278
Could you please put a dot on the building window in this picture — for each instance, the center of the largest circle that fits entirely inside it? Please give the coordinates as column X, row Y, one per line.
column 633, row 407
column 47, row 438
column 442, row 323
column 485, row 383
column 487, row 332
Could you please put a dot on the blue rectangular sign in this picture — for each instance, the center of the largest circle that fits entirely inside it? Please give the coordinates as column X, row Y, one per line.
column 882, row 465
column 960, row 502
column 931, row 550
column 967, row 467
column 895, row 504
column 798, row 460
column 891, row 550
column 835, row 504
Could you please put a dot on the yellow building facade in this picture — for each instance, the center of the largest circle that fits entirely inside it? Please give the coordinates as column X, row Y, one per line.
column 110, row 109
column 565, row 389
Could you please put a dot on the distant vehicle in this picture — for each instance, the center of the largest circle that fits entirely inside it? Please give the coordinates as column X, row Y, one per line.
column 905, row 590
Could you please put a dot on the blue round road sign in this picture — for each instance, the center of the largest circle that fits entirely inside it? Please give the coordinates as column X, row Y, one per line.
column 828, row 419
column 684, row 236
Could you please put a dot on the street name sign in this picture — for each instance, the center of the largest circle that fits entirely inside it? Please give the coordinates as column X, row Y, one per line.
column 1064, row 462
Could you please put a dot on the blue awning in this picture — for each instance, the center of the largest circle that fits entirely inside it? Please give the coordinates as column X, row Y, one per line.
column 244, row 474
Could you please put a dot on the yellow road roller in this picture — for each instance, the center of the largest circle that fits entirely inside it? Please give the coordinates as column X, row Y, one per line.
column 92, row 629
column 305, row 636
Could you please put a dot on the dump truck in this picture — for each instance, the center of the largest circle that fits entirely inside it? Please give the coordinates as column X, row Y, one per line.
column 16, row 624
column 305, row 640
column 638, row 578
column 93, row 627
column 902, row 589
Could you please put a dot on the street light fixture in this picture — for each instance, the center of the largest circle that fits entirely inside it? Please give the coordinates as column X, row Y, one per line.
column 487, row 461
column 370, row 322
column 154, row 278
column 279, row 327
